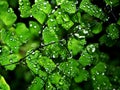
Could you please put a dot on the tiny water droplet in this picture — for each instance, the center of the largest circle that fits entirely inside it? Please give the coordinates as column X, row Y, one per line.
column 11, row 60
column 35, row 26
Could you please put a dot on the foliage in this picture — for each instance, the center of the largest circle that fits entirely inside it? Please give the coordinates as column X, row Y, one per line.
column 60, row 44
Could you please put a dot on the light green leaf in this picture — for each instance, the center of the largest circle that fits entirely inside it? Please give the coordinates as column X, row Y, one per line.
column 38, row 14
column 85, row 58
column 59, row 2
column 69, row 6
column 8, row 61
column 67, row 25
column 22, row 32
column 37, row 84
column 55, row 78
column 82, row 76
column 44, row 6
column 47, row 64
column 24, row 7
column 75, row 45
column 7, row 15
column 3, row 84
column 69, row 68
column 49, row 35
column 34, row 28
column 51, row 22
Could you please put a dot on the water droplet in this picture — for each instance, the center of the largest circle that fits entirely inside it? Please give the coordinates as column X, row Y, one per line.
column 103, row 74
column 56, row 7
column 76, row 2
column 33, row 52
column 35, row 26
column 98, row 88
column 85, row 31
column 93, row 78
column 53, row 56
column 11, row 60
column 53, row 10
column 59, row 12
column 31, row 16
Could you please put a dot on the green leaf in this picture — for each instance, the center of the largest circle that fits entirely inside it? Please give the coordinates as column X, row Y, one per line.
column 8, row 61
column 91, row 9
column 7, row 15
column 64, row 83
column 75, row 45
column 59, row 2
column 113, row 31
column 100, row 68
column 3, row 84
column 49, row 86
column 22, row 32
column 101, row 82
column 43, row 75
column 97, row 28
column 44, row 6
column 107, row 40
column 52, row 50
column 47, row 64
column 82, row 76
column 69, row 6
column 67, row 25
column 51, row 22
column 113, row 3
column 38, row 14
column 55, row 78
column 34, row 28
column 85, row 58
column 12, row 41
column 37, row 84
column 24, row 7
column 3, row 6
column 49, row 35
column 69, row 68
column 32, row 61
column 76, row 17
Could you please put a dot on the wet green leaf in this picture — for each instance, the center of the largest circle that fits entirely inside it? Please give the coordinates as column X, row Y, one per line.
column 22, row 32
column 47, row 64
column 49, row 35
column 55, row 78
column 99, row 68
column 69, row 6
column 37, row 84
column 85, row 58
column 34, row 28
column 76, row 46
column 113, row 31
column 82, row 76
column 91, row 9
column 24, row 7
column 69, row 68
column 38, row 14
column 67, row 25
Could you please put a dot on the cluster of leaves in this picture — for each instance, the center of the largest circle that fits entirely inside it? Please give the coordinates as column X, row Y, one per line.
column 52, row 39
